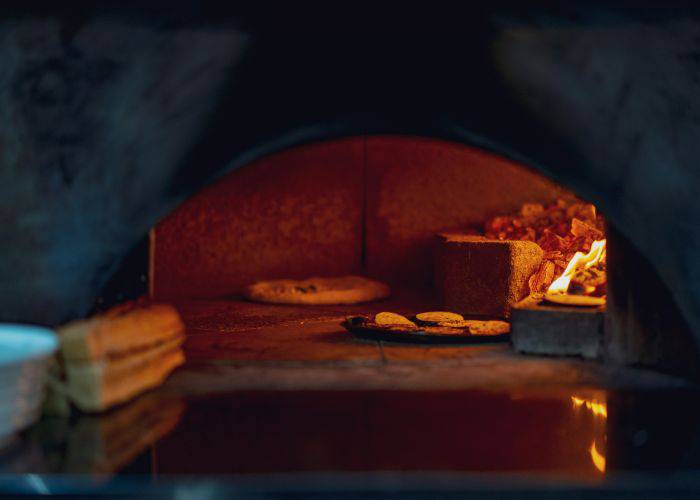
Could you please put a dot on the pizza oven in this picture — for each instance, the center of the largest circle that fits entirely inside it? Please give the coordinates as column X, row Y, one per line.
column 364, row 191
column 425, row 216
column 530, row 169
column 431, row 218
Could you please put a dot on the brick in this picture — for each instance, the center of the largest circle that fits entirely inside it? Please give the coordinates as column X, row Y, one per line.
column 475, row 275
column 539, row 328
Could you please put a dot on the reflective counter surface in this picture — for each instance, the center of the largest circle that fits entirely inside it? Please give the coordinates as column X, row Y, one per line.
column 368, row 441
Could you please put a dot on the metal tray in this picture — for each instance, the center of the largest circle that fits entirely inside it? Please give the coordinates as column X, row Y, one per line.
column 358, row 326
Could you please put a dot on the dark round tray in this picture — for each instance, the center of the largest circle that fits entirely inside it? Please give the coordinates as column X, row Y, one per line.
column 358, row 326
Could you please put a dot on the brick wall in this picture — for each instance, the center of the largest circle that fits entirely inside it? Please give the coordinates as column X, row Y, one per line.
column 356, row 205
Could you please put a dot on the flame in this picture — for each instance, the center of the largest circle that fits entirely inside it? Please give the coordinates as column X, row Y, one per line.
column 597, row 457
column 598, row 409
column 578, row 262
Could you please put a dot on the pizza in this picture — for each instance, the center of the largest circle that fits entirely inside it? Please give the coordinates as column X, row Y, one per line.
column 318, row 291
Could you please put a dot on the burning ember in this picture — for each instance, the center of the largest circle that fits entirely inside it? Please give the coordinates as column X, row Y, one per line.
column 572, row 237
column 583, row 280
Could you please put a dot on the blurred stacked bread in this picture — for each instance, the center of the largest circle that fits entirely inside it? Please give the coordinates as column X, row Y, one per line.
column 111, row 358
column 103, row 444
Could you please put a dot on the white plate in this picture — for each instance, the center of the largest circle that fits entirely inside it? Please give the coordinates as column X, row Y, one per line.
column 20, row 344
column 21, row 401
column 18, row 417
column 25, row 353
column 25, row 384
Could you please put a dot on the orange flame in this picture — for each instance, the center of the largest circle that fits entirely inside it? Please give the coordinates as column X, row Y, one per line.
column 578, row 262
column 597, row 457
column 598, row 409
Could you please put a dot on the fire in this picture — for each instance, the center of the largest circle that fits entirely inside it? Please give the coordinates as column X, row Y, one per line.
column 598, row 459
column 598, row 409
column 560, row 229
column 588, row 274
column 579, row 262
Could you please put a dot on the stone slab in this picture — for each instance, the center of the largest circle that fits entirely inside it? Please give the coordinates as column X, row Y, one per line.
column 312, row 341
column 496, row 371
column 539, row 328
column 241, row 331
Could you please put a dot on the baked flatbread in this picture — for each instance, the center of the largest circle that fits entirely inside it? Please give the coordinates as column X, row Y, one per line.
column 390, row 318
column 466, row 331
column 96, row 386
column 445, row 330
column 318, row 291
column 477, row 327
column 121, row 330
column 438, row 318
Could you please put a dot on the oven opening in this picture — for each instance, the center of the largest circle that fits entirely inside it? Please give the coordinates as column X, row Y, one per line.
column 370, row 286
column 444, row 227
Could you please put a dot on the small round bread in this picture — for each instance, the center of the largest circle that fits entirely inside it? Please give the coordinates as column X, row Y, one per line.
column 318, row 291
column 393, row 319
column 398, row 328
column 445, row 330
column 477, row 327
column 438, row 317
column 461, row 323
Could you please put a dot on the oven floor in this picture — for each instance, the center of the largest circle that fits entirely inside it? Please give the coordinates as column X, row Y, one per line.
column 276, row 398
column 239, row 345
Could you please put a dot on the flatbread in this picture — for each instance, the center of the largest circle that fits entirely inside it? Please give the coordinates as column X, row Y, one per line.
column 469, row 331
column 394, row 328
column 121, row 330
column 477, row 327
column 318, row 291
column 445, row 330
column 438, row 317
column 390, row 318
column 366, row 322
column 95, row 387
